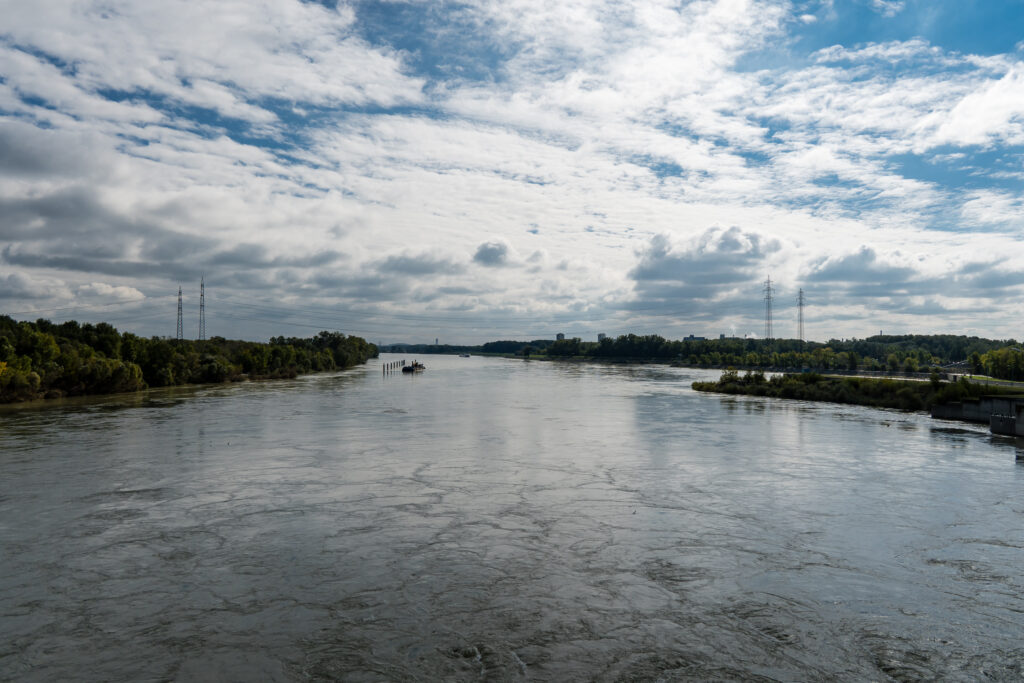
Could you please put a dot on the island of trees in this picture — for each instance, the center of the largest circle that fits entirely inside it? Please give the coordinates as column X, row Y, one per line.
column 48, row 360
column 865, row 391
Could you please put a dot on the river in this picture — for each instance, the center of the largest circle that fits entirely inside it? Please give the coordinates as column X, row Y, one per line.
column 495, row 519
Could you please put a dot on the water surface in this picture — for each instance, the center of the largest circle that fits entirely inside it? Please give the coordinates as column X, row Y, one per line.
column 492, row 519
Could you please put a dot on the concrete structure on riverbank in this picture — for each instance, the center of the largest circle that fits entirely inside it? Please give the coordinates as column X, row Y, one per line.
column 1003, row 414
column 1011, row 425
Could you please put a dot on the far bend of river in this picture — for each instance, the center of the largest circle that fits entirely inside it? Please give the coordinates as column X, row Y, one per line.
column 494, row 519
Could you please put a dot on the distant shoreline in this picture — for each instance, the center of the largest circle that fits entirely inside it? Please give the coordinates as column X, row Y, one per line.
column 867, row 374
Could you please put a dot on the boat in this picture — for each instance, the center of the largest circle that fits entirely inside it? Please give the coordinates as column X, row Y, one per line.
column 463, row 355
column 415, row 367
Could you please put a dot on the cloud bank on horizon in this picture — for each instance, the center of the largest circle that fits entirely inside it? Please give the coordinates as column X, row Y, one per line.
column 412, row 169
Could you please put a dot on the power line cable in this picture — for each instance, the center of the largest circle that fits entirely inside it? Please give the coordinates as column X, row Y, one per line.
column 82, row 306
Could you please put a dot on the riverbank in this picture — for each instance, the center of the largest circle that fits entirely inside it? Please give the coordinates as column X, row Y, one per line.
column 43, row 360
column 877, row 393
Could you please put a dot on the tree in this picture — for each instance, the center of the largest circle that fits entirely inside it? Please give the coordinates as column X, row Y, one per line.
column 565, row 347
column 893, row 362
column 976, row 365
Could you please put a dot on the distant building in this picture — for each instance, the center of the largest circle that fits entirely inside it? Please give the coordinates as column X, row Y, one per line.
column 559, row 336
column 722, row 336
column 601, row 336
column 692, row 338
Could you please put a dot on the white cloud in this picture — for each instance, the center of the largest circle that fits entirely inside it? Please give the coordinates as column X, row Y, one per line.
column 998, row 209
column 598, row 126
column 101, row 290
column 994, row 112
column 32, row 77
column 889, row 8
column 212, row 54
column 30, row 289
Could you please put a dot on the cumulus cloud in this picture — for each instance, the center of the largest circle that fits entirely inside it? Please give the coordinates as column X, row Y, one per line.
column 102, row 290
column 719, row 271
column 862, row 266
column 985, row 280
column 491, row 254
column 25, row 288
column 990, row 113
column 717, row 257
column 902, row 287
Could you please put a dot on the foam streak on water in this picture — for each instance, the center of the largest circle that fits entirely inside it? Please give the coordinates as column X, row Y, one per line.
column 502, row 520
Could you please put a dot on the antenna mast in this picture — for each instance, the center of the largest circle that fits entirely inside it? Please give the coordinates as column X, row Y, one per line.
column 202, row 308
column 800, row 314
column 179, row 333
column 769, row 297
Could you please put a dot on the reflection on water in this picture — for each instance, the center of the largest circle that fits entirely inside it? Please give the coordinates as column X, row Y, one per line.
column 503, row 520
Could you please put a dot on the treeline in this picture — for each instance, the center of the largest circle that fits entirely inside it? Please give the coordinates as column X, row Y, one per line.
column 879, row 393
column 48, row 360
column 890, row 353
column 1005, row 363
column 503, row 346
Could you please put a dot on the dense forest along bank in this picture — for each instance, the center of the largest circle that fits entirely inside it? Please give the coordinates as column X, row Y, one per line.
column 863, row 391
column 47, row 360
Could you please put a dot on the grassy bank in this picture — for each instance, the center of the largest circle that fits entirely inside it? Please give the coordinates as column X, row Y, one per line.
column 863, row 391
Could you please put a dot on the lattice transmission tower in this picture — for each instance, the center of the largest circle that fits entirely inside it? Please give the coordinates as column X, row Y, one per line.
column 180, row 334
column 800, row 314
column 769, row 298
column 202, row 308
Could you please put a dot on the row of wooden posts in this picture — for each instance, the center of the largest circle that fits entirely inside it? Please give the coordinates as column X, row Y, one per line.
column 393, row 366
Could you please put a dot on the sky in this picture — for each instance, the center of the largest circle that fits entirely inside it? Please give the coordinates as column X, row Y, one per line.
column 413, row 170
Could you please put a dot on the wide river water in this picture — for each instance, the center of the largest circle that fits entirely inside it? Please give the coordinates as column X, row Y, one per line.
column 494, row 519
